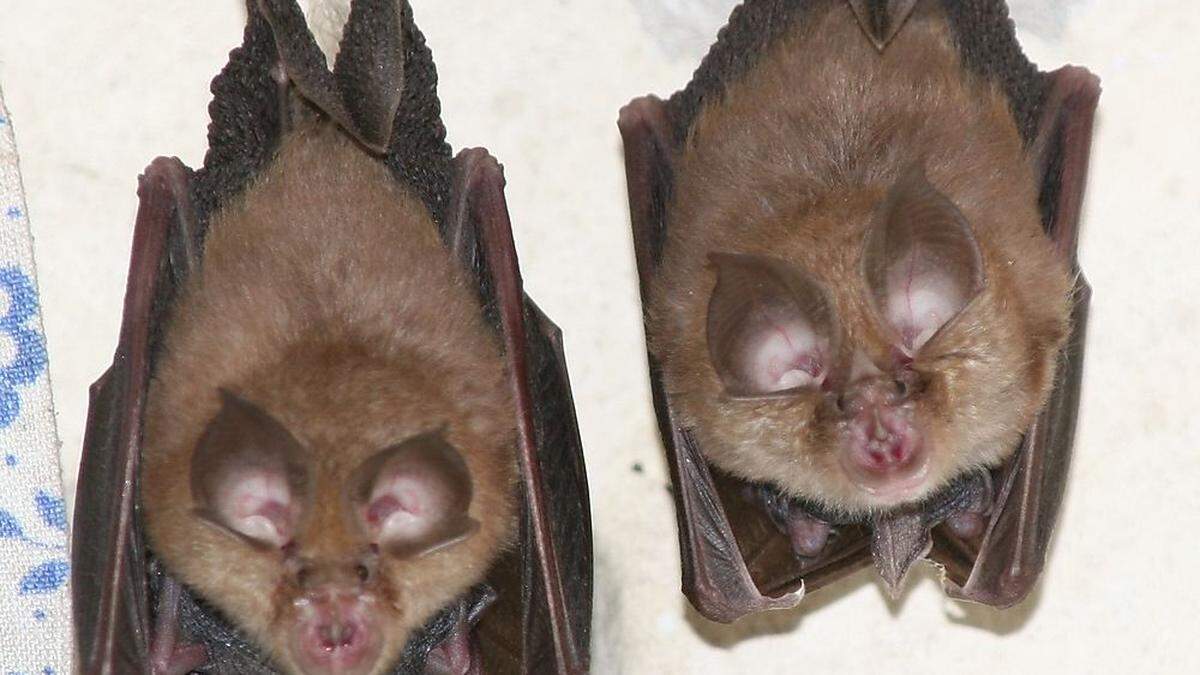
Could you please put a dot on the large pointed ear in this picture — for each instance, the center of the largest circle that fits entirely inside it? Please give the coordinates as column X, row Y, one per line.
column 921, row 261
column 248, row 475
column 413, row 497
column 770, row 326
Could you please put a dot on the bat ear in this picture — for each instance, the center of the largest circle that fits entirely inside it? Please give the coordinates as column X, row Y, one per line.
column 247, row 474
column 413, row 497
column 770, row 326
column 921, row 262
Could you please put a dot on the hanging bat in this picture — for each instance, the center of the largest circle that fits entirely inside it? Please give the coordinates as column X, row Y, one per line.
column 336, row 436
column 855, row 232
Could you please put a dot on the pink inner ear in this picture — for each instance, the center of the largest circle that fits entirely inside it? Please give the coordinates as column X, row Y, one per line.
column 784, row 355
column 769, row 326
column 403, row 508
column 921, row 299
column 415, row 496
column 257, row 503
column 921, row 263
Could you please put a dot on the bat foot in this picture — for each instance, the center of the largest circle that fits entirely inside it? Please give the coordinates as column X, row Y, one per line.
column 167, row 655
column 970, row 521
column 807, row 533
column 458, row 654
column 181, row 660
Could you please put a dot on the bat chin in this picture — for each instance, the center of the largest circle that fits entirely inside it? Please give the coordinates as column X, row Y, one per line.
column 336, row 641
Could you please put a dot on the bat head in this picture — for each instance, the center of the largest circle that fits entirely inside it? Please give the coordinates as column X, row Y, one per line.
column 868, row 385
column 340, row 553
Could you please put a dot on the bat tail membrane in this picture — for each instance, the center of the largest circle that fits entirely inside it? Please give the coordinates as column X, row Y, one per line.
column 363, row 90
column 882, row 19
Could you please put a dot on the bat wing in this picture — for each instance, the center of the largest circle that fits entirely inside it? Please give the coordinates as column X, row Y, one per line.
column 108, row 561
column 735, row 561
column 1003, row 568
column 542, row 623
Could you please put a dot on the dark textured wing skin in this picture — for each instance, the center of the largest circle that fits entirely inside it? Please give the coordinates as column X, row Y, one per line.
column 363, row 91
column 735, row 561
column 108, row 561
column 540, row 610
column 1013, row 551
column 248, row 118
column 545, row 627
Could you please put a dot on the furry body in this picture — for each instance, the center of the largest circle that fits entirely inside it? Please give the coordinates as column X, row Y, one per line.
column 327, row 298
column 793, row 162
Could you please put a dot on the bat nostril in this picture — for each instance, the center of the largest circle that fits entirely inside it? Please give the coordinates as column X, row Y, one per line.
column 336, row 635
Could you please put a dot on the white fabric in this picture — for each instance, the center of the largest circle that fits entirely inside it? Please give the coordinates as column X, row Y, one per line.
column 35, row 635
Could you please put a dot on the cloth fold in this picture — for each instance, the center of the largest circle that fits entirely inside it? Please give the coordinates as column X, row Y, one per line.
column 35, row 615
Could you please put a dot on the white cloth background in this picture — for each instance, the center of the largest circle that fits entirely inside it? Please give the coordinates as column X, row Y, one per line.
column 35, row 617
column 99, row 88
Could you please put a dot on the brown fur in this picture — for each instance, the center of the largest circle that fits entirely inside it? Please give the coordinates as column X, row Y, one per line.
column 793, row 163
column 327, row 298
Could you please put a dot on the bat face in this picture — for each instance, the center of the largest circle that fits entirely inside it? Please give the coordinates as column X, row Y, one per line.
column 329, row 454
column 338, row 565
column 856, row 302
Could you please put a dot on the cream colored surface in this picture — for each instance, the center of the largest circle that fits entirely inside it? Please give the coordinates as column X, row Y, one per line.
column 98, row 89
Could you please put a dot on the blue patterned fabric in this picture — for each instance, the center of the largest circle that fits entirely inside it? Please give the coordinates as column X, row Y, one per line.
column 35, row 627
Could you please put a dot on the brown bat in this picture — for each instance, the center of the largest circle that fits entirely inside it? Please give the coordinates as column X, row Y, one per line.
column 856, row 235
column 336, row 437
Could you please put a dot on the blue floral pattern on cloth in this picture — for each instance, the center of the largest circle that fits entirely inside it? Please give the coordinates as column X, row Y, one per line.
column 30, row 359
column 35, row 616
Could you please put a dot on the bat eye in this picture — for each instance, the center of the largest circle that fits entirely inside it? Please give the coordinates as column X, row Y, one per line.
column 907, row 383
column 363, row 572
column 839, row 403
column 303, row 575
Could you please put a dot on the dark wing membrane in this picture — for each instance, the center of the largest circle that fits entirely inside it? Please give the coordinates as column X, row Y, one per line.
column 1013, row 551
column 249, row 109
column 982, row 29
column 108, row 559
column 552, row 566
